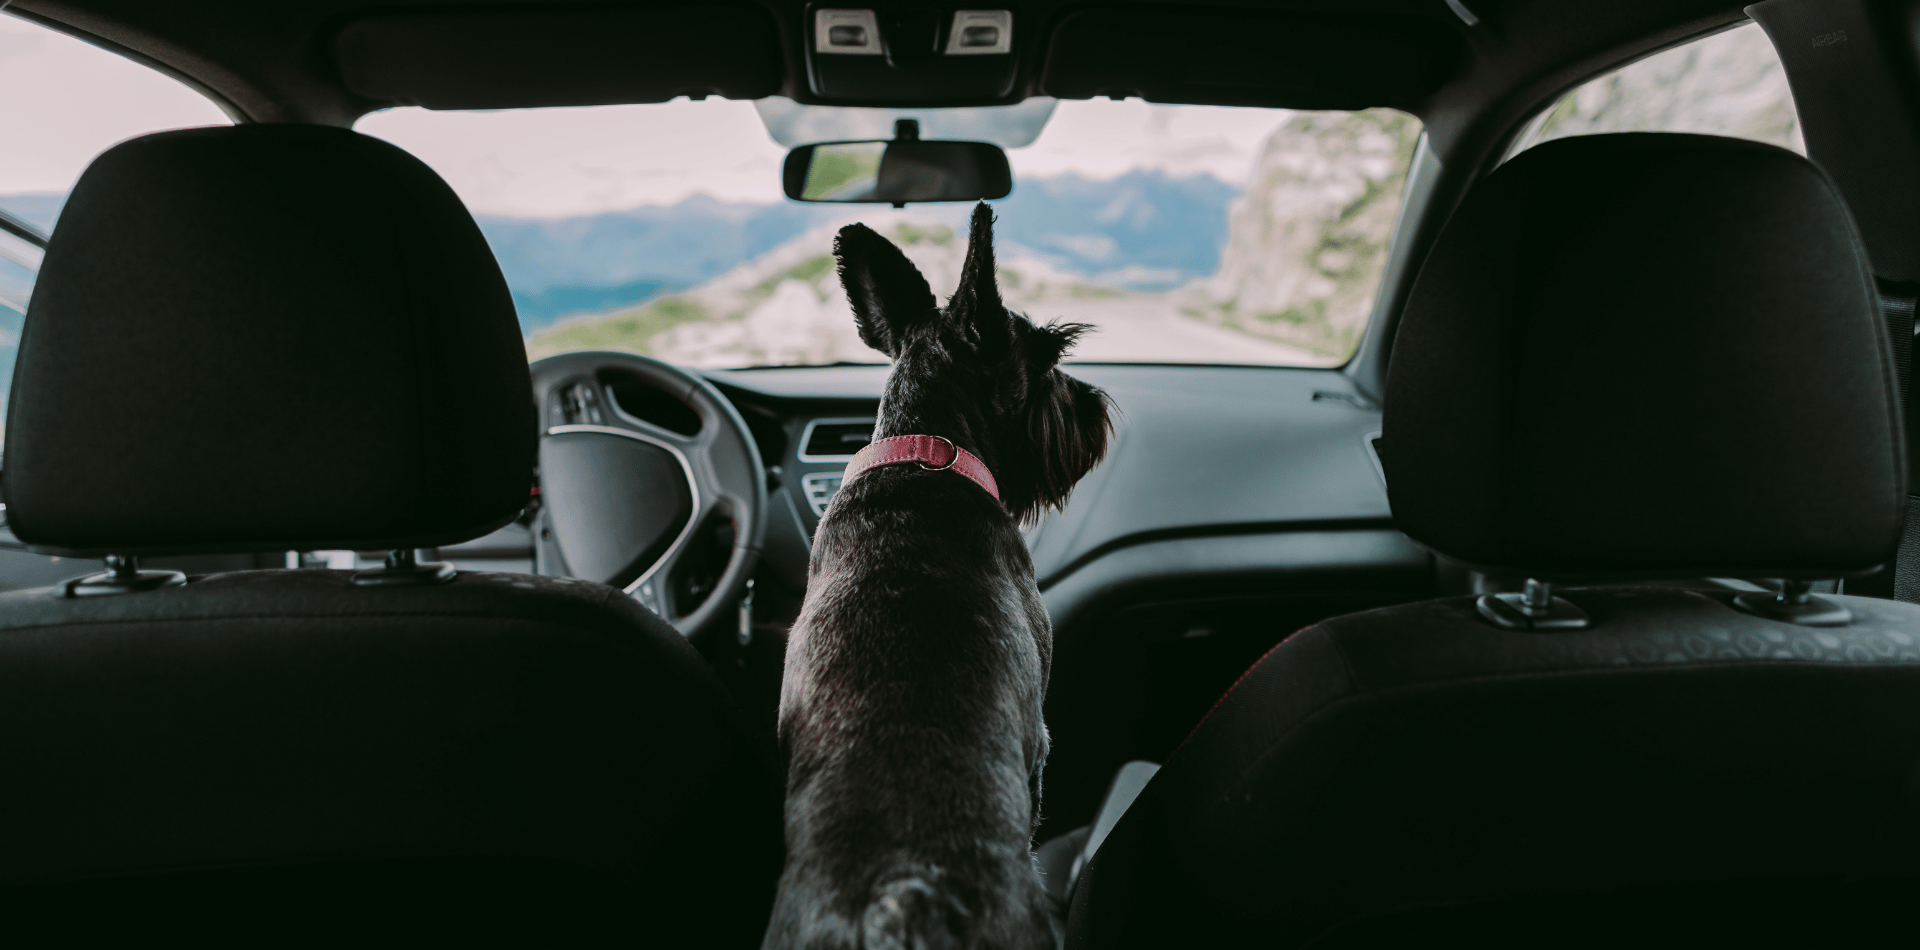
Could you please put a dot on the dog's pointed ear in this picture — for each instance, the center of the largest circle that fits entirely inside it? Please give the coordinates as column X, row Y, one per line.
column 889, row 295
column 976, row 305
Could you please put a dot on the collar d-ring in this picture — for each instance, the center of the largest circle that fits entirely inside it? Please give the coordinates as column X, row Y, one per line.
column 953, row 455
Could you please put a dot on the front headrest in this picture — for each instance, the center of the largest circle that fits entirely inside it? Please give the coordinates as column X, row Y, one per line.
column 1647, row 355
column 267, row 337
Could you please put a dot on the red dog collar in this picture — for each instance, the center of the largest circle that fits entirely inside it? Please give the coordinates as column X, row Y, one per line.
column 934, row 454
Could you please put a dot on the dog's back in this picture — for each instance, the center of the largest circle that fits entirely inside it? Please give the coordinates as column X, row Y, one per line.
column 910, row 712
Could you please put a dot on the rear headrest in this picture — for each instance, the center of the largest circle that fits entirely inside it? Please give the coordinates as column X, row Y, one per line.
column 1647, row 355
column 267, row 337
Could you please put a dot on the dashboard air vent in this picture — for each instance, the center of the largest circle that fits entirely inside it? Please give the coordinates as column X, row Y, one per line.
column 835, row 438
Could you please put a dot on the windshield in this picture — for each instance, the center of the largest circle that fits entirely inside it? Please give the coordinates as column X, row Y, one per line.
column 1184, row 234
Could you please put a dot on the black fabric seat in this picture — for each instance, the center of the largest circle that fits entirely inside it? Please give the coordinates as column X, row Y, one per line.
column 1628, row 356
column 294, row 338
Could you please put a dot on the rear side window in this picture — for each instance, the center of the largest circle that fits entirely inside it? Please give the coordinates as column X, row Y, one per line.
column 62, row 102
column 1730, row 83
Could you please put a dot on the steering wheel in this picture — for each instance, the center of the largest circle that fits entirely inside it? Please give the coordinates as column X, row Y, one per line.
column 650, row 482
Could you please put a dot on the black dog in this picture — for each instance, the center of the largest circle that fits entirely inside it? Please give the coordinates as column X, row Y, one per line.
column 910, row 712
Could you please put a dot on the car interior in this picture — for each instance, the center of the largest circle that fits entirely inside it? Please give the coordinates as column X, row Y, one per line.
column 1543, row 580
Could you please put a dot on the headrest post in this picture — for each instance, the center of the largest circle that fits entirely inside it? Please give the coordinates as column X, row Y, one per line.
column 123, row 567
column 1795, row 604
column 1534, row 608
column 122, row 576
column 1538, row 598
column 404, row 568
column 1794, row 592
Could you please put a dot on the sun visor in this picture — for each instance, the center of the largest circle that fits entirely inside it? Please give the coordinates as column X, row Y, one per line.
column 561, row 55
column 1251, row 58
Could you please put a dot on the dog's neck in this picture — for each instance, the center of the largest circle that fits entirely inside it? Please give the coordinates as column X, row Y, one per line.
column 954, row 427
column 912, row 406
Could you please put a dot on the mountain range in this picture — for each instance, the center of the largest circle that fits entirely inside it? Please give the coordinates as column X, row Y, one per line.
column 558, row 266
column 39, row 209
column 1144, row 230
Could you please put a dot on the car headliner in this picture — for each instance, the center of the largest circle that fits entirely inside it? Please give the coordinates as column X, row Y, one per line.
column 276, row 62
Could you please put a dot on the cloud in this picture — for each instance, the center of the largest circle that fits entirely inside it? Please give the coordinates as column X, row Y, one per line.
column 1100, row 138
column 545, row 163
column 1093, row 247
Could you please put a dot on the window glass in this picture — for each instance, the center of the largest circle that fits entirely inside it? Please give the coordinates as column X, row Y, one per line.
column 1730, row 83
column 1182, row 233
column 62, row 102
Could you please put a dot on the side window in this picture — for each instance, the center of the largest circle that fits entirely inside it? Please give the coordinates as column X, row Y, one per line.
column 1730, row 83
column 62, row 102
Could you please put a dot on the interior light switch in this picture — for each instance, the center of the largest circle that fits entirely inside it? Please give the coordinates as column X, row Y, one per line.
column 980, row 33
column 919, row 53
column 846, row 32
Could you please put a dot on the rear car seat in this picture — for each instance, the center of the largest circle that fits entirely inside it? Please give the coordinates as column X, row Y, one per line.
column 281, row 337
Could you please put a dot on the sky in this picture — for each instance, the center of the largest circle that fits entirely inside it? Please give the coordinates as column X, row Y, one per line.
column 559, row 162
column 62, row 102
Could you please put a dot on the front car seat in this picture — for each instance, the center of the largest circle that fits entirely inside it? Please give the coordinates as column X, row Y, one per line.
column 1628, row 357
column 274, row 338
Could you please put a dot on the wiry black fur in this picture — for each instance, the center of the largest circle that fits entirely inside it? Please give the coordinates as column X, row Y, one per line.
column 910, row 712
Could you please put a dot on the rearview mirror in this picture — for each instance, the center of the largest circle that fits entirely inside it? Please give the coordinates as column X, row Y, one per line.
column 896, row 172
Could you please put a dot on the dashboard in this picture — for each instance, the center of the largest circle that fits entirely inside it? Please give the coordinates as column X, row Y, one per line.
column 1277, row 463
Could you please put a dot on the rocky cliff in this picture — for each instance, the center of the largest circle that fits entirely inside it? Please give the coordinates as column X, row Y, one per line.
column 1730, row 83
column 1307, row 240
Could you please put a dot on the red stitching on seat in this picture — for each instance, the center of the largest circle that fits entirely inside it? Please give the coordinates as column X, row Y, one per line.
column 1236, row 685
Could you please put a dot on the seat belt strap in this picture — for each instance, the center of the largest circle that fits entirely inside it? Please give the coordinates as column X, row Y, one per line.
column 1899, row 313
column 1901, row 579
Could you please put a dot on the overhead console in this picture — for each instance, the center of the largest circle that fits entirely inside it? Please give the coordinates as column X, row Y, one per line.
column 561, row 55
column 910, row 53
column 1305, row 59
column 900, row 54
column 1238, row 57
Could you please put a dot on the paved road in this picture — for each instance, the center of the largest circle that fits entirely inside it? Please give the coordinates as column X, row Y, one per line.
column 1151, row 330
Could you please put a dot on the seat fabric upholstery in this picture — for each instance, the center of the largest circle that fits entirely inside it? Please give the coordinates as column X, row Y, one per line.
column 1415, row 758
column 313, row 732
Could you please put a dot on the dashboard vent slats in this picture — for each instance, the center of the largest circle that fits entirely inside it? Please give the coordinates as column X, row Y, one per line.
column 836, row 438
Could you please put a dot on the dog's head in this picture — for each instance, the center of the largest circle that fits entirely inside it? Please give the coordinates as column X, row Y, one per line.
column 985, row 373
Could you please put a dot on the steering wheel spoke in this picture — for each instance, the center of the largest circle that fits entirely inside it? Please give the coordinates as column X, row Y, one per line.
column 633, row 496
column 657, row 588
